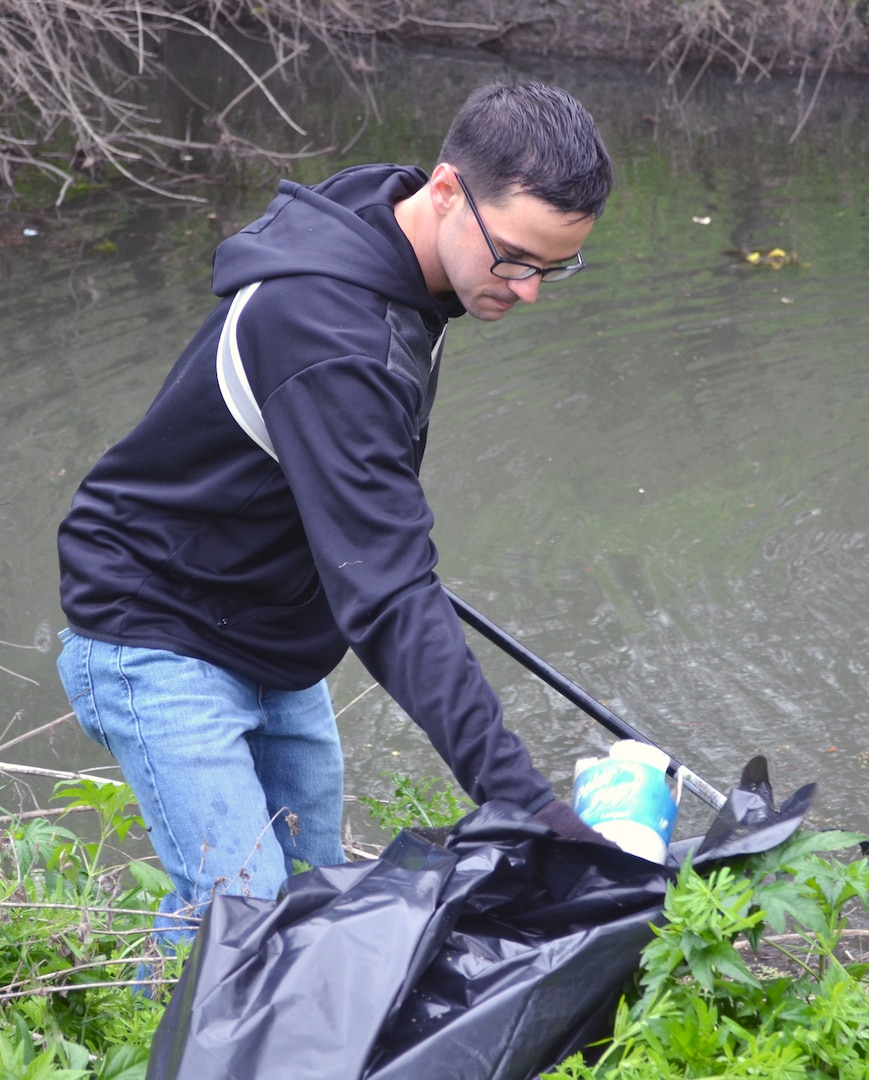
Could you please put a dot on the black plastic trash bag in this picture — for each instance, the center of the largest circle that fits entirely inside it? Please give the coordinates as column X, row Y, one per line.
column 492, row 957
column 749, row 822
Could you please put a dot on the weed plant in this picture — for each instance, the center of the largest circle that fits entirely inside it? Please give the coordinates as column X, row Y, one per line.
column 73, row 930
column 429, row 803
column 749, row 976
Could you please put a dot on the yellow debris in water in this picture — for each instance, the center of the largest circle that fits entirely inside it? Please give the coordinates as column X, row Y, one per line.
column 773, row 258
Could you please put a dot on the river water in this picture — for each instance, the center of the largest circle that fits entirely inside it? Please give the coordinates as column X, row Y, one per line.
column 655, row 477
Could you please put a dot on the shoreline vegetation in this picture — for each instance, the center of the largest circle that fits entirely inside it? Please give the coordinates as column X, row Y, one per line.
column 79, row 79
column 757, row 970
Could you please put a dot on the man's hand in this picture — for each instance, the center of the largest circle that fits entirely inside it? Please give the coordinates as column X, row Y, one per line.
column 563, row 821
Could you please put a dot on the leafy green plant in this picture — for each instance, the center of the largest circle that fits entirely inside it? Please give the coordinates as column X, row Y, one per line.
column 747, row 977
column 74, row 928
column 427, row 802
column 22, row 1059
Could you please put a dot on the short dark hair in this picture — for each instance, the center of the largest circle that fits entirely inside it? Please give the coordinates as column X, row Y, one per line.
column 533, row 136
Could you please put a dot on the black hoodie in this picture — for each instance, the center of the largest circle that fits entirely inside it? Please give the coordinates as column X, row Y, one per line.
column 188, row 536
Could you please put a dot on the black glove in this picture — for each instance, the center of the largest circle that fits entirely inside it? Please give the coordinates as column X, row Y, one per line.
column 559, row 817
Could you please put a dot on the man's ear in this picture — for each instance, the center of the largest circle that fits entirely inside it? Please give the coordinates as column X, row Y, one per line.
column 444, row 188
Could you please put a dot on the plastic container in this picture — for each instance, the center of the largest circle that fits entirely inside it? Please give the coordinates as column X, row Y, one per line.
column 627, row 799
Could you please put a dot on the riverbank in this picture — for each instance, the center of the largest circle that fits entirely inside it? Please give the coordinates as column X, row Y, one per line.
column 76, row 90
column 756, row 38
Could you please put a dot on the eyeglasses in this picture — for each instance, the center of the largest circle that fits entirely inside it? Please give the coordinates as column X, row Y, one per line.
column 512, row 269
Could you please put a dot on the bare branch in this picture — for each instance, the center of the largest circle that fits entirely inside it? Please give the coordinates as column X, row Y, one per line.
column 41, row 730
column 55, row 774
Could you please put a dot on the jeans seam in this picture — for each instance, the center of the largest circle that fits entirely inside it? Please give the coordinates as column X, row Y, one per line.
column 152, row 779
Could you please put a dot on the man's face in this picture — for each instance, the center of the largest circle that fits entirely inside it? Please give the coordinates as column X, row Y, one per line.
column 522, row 228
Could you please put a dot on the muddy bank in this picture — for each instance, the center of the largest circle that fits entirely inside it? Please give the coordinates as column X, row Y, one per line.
column 753, row 37
column 73, row 83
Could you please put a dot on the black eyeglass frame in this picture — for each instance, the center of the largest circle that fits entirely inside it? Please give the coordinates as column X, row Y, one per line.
column 528, row 270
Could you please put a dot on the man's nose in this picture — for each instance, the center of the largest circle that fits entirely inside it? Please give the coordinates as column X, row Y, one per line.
column 526, row 288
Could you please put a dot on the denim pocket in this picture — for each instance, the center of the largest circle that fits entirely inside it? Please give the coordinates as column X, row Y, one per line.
column 73, row 666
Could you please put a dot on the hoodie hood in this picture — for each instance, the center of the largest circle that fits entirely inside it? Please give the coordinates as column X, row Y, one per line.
column 326, row 230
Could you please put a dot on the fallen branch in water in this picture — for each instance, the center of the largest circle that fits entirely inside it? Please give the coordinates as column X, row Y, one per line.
column 752, row 36
column 55, row 774
column 79, row 74
column 37, row 731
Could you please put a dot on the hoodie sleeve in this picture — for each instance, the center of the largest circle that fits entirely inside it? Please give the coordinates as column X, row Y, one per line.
column 344, row 431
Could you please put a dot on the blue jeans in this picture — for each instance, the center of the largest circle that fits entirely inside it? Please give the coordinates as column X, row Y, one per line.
column 233, row 780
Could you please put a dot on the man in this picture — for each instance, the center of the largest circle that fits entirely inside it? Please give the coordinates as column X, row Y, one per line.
column 266, row 513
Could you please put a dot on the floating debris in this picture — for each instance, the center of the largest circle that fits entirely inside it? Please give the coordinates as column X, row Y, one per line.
column 769, row 258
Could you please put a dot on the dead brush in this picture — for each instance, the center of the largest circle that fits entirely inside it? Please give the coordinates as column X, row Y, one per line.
column 75, row 73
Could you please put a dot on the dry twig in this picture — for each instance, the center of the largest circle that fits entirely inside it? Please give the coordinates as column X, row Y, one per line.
column 748, row 37
column 79, row 73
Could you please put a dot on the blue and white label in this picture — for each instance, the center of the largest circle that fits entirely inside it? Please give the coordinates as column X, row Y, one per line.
column 629, row 802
